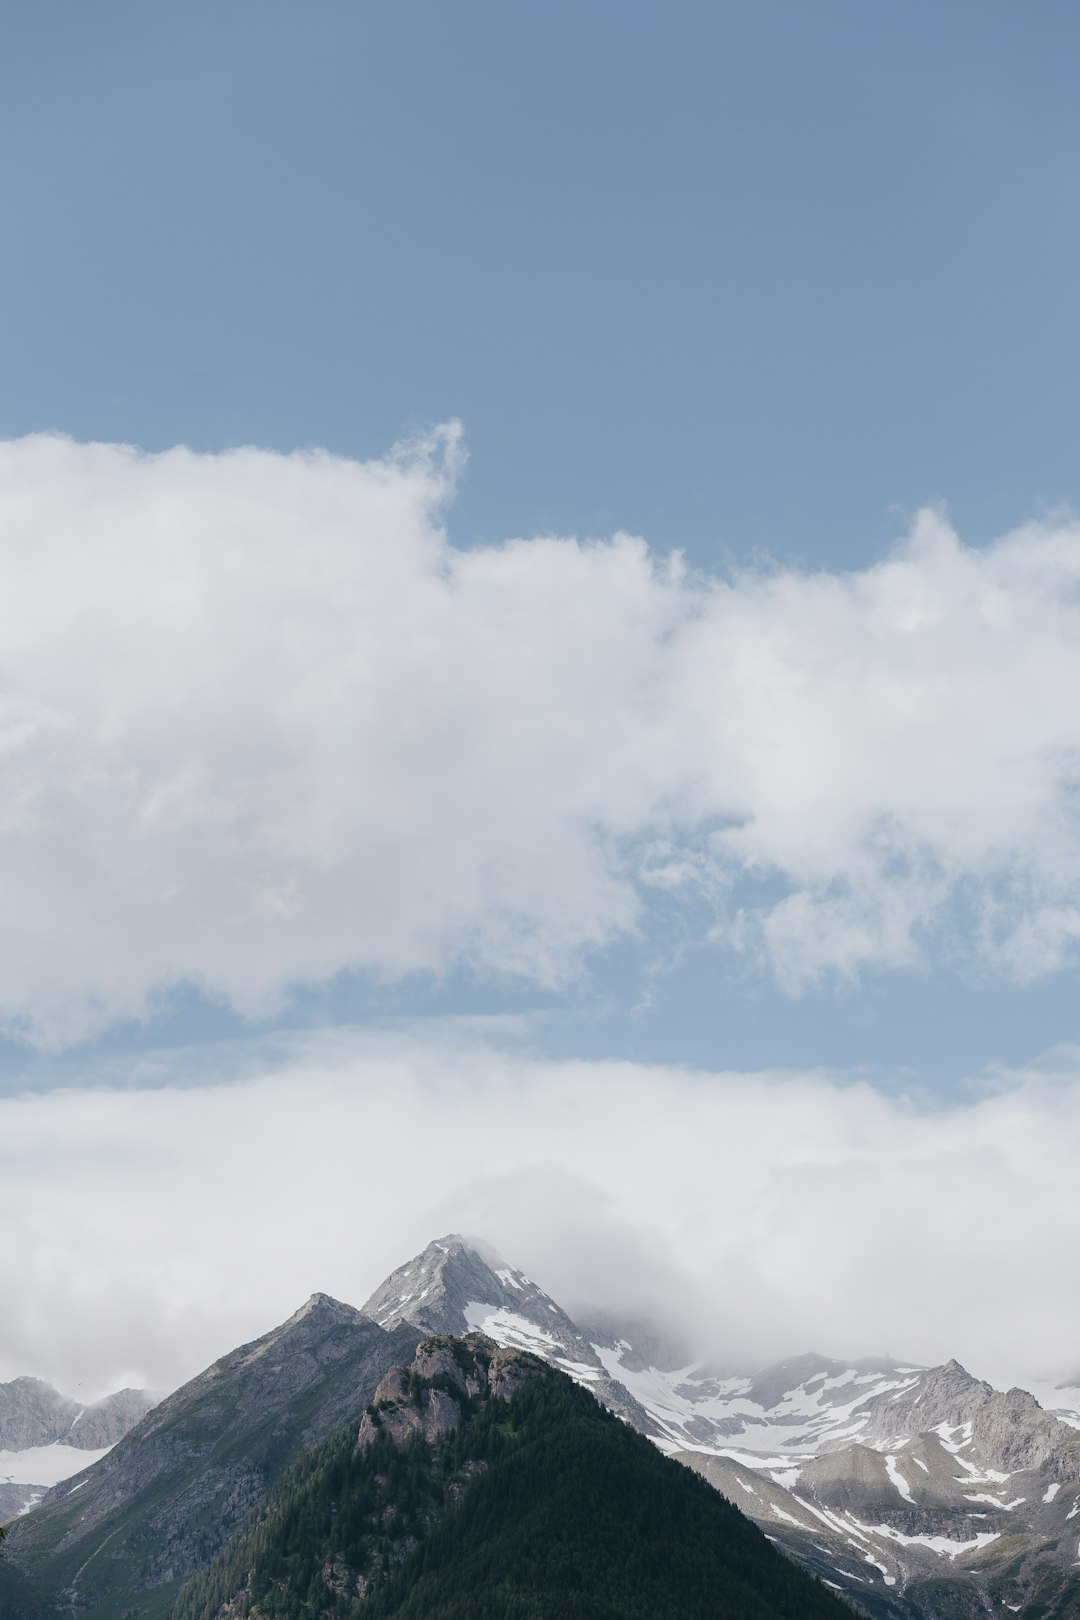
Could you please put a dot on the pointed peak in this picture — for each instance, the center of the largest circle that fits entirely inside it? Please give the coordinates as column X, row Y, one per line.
column 321, row 1308
column 447, row 1246
column 954, row 1366
column 438, row 1288
column 323, row 1304
column 453, row 1245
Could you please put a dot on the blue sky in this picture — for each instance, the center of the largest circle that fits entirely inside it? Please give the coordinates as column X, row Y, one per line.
column 731, row 276
column 750, row 280
column 615, row 728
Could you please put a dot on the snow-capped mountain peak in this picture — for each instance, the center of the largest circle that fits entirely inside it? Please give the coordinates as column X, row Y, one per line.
column 455, row 1282
column 458, row 1285
column 884, row 1477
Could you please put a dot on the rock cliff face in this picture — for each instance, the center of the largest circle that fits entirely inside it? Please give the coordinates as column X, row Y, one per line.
column 429, row 1398
column 1009, row 1429
column 108, row 1420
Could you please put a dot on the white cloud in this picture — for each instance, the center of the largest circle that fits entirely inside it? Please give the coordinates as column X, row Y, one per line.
column 150, row 1230
column 260, row 721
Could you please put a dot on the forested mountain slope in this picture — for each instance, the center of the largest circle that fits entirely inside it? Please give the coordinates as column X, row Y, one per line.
column 484, row 1485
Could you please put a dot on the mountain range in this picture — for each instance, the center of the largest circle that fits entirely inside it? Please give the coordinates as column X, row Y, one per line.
column 916, row 1492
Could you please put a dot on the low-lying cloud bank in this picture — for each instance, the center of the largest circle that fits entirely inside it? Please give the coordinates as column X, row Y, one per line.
column 260, row 721
column 772, row 1213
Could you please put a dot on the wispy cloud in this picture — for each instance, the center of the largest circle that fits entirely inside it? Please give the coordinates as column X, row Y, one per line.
column 260, row 721
column 771, row 1212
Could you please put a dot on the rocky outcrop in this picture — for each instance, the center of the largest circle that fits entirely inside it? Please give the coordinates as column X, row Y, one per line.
column 1012, row 1432
column 434, row 1395
column 946, row 1394
column 1006, row 1430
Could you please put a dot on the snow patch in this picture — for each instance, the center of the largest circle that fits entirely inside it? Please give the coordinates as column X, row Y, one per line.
column 890, row 1580
column 938, row 1544
column 788, row 1517
column 898, row 1479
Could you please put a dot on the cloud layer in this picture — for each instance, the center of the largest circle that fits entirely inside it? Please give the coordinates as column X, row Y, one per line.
column 771, row 1212
column 260, row 721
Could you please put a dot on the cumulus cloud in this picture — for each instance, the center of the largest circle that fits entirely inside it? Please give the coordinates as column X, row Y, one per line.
column 768, row 1213
column 261, row 721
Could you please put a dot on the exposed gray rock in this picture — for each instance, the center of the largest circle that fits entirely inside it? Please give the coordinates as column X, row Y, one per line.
column 946, row 1394
column 16, row 1499
column 413, row 1400
column 974, row 1513
column 170, row 1493
column 457, row 1286
column 32, row 1413
column 428, row 1413
column 108, row 1420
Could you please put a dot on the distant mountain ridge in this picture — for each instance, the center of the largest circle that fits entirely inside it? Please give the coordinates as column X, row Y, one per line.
column 33, row 1413
column 45, row 1436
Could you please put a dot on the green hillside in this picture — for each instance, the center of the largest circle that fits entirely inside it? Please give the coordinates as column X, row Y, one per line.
column 537, row 1504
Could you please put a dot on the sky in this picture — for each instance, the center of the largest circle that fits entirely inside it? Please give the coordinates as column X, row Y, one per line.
column 540, row 668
